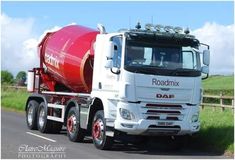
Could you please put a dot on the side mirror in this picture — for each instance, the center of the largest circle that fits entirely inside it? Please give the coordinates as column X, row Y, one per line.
column 206, row 57
column 205, row 69
column 109, row 52
column 109, row 63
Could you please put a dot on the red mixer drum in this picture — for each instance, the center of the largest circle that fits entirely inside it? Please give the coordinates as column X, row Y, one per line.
column 68, row 56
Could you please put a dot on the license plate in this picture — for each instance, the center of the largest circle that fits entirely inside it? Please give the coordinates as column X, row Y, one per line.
column 165, row 123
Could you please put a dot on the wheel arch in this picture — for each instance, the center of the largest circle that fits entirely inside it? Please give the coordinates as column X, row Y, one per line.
column 71, row 103
column 96, row 105
column 37, row 97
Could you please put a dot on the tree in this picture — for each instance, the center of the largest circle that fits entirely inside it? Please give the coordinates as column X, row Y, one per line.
column 6, row 77
column 21, row 78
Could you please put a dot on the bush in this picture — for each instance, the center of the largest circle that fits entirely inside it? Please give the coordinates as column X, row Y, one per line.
column 6, row 77
column 21, row 78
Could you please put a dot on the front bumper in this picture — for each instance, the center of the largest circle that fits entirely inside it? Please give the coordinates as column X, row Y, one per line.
column 141, row 125
column 148, row 127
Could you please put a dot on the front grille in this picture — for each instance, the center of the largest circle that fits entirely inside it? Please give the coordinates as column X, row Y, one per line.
column 164, row 106
column 158, row 118
column 163, row 112
column 163, row 130
column 164, row 127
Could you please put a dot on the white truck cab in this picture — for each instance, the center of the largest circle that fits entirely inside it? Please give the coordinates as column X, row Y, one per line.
column 149, row 81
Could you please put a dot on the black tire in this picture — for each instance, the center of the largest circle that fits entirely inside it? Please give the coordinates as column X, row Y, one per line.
column 47, row 126
column 74, row 132
column 44, row 125
column 100, row 140
column 31, row 114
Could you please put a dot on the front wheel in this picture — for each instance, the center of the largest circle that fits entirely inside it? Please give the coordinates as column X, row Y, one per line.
column 74, row 131
column 100, row 140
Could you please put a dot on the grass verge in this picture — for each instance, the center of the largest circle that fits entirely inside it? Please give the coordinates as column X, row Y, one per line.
column 216, row 133
column 13, row 98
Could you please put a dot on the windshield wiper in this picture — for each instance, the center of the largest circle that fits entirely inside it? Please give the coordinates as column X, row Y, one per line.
column 181, row 70
column 144, row 70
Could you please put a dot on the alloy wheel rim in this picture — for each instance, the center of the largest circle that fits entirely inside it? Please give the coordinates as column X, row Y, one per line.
column 30, row 115
column 98, row 131
column 41, row 117
column 72, row 124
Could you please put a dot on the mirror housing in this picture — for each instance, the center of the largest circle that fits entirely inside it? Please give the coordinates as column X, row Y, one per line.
column 206, row 57
column 109, row 51
column 205, row 69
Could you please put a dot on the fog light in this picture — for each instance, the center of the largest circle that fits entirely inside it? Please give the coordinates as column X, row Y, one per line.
column 126, row 114
column 194, row 118
column 127, row 125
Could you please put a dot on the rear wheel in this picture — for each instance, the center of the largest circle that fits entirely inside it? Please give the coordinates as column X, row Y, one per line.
column 74, row 131
column 31, row 114
column 45, row 125
column 100, row 140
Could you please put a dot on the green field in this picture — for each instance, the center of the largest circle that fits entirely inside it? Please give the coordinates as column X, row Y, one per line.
column 219, row 83
column 215, row 85
column 216, row 134
column 13, row 98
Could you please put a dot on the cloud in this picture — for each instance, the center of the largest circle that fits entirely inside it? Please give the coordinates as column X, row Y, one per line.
column 221, row 41
column 53, row 29
column 19, row 44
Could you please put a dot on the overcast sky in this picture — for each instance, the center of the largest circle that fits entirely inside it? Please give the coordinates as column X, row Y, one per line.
column 23, row 23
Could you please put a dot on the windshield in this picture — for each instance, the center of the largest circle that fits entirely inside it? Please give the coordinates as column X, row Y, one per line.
column 149, row 58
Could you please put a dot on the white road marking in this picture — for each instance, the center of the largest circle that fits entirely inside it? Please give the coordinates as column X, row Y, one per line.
column 41, row 137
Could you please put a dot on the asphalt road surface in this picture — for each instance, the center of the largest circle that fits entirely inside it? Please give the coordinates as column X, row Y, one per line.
column 17, row 141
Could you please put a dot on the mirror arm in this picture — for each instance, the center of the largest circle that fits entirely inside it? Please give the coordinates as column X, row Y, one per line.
column 118, row 71
column 208, row 47
column 207, row 75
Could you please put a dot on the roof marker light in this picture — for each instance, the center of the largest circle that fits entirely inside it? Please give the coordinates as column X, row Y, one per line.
column 149, row 26
column 168, row 28
column 159, row 27
column 178, row 30
column 186, row 31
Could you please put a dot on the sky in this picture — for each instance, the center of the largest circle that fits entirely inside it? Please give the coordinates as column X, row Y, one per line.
column 23, row 24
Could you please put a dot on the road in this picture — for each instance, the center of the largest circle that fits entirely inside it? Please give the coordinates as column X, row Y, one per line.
column 17, row 141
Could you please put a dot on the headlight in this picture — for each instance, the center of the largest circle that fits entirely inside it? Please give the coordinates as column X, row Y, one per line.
column 126, row 114
column 194, row 118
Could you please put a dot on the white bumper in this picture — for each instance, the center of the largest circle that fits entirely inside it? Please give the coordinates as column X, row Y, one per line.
column 181, row 123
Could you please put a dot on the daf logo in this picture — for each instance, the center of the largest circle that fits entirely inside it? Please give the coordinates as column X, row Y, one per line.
column 168, row 96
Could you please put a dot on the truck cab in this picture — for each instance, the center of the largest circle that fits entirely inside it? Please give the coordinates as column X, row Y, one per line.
column 149, row 80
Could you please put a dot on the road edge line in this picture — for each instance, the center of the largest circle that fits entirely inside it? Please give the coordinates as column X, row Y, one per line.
column 33, row 134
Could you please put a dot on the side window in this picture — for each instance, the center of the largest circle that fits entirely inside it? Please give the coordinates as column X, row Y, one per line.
column 188, row 60
column 117, row 51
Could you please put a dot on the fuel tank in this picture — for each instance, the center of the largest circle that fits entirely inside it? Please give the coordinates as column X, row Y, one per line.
column 67, row 56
